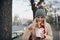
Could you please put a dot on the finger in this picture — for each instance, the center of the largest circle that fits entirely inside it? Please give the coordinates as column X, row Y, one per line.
column 30, row 28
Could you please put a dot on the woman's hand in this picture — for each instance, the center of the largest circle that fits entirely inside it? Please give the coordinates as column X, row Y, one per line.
column 30, row 28
column 43, row 35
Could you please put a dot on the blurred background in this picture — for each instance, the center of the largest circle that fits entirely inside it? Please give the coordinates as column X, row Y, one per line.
column 23, row 15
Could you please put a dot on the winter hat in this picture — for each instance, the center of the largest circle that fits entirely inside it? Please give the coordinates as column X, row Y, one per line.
column 40, row 7
column 40, row 12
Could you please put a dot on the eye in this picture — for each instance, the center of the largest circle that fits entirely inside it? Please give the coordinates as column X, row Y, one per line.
column 38, row 17
column 41, row 16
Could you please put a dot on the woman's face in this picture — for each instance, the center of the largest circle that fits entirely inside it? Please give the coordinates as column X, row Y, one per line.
column 40, row 19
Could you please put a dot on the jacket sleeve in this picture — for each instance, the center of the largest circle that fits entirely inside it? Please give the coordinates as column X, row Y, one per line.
column 26, row 34
column 49, row 35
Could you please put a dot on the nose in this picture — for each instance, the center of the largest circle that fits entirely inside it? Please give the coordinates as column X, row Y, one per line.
column 40, row 18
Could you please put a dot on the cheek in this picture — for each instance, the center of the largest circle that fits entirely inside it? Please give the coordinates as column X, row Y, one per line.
column 42, row 19
column 36, row 20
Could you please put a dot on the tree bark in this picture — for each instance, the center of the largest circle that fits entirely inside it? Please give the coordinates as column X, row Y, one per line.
column 33, row 7
column 5, row 19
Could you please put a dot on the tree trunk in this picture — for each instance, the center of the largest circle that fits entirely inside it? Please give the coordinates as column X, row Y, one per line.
column 5, row 19
column 33, row 7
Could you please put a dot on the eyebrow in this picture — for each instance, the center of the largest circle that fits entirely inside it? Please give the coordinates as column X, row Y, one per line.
column 40, row 16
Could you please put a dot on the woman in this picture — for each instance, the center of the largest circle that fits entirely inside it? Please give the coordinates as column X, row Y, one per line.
column 46, row 34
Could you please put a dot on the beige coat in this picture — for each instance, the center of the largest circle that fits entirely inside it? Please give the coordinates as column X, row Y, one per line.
column 27, row 33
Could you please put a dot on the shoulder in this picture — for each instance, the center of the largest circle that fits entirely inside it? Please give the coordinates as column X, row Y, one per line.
column 48, row 25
